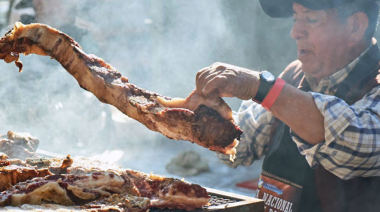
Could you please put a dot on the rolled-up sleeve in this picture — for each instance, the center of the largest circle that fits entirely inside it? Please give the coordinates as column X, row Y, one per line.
column 352, row 136
column 255, row 122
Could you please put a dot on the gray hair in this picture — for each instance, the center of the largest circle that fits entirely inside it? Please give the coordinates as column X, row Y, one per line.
column 371, row 9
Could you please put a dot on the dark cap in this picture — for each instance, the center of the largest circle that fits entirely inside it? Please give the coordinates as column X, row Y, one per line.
column 284, row 8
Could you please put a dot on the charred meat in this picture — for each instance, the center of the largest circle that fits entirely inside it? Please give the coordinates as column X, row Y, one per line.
column 190, row 119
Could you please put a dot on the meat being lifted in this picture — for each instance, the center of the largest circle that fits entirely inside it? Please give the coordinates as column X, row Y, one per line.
column 204, row 122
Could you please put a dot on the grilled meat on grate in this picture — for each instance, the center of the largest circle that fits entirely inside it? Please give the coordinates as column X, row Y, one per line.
column 94, row 186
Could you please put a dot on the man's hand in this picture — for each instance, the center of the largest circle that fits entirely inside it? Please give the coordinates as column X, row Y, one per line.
column 224, row 80
column 292, row 106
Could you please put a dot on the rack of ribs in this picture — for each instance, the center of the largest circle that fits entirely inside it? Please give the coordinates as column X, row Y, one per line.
column 207, row 123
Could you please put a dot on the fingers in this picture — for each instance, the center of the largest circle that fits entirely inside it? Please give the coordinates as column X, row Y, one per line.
column 206, row 74
column 199, row 80
column 214, row 86
column 201, row 72
column 224, row 80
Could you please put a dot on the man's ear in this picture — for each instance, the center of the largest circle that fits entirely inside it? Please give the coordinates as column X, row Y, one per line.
column 358, row 24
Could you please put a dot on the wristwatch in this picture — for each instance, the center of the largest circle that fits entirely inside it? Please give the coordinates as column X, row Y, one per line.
column 267, row 80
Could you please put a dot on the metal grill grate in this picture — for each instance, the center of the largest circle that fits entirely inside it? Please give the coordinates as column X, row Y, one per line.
column 214, row 201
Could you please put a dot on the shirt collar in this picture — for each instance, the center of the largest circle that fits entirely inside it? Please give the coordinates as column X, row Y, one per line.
column 329, row 85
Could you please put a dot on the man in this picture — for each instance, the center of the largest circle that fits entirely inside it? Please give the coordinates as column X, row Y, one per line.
column 321, row 124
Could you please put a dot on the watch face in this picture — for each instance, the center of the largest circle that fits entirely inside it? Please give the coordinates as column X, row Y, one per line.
column 268, row 76
column 266, row 82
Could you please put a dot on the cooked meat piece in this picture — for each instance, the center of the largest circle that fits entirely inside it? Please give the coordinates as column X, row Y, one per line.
column 169, row 192
column 13, row 171
column 163, row 192
column 67, row 189
column 3, row 156
column 197, row 123
column 82, row 165
column 113, row 189
column 113, row 203
column 118, row 202
column 13, row 174
column 38, row 162
column 66, row 163
column 4, row 163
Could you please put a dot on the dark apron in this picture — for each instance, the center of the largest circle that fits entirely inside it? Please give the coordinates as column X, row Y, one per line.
column 284, row 164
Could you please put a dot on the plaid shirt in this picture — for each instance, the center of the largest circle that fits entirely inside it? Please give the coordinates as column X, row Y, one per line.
column 352, row 132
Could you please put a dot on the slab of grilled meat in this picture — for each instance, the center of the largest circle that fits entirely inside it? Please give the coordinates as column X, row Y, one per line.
column 67, row 189
column 90, row 185
column 170, row 193
column 13, row 171
column 188, row 119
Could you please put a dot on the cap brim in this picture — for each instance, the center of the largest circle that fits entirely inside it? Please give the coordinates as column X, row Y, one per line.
column 277, row 8
column 284, row 8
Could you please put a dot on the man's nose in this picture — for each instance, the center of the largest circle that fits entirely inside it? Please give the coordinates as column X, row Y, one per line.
column 298, row 31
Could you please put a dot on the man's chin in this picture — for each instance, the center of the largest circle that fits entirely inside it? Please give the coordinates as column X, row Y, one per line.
column 309, row 69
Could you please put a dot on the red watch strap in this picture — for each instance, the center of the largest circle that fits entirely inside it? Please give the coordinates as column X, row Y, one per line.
column 273, row 93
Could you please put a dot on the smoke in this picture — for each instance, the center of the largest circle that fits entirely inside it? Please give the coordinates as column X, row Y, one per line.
column 159, row 45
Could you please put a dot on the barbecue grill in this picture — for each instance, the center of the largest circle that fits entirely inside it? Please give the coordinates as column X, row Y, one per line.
column 220, row 200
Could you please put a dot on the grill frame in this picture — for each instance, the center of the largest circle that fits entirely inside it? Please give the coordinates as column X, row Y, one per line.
column 241, row 203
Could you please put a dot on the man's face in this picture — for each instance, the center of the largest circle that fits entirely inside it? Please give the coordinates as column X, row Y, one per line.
column 322, row 41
